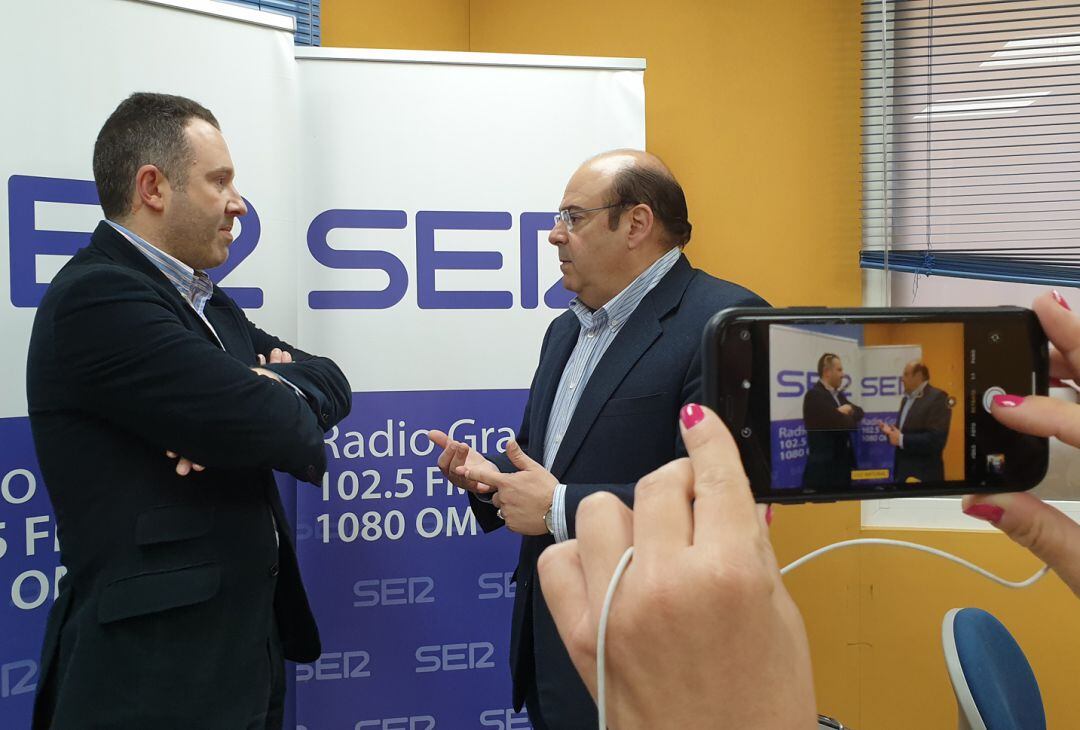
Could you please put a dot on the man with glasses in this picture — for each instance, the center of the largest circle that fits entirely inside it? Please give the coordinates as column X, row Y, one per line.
column 614, row 371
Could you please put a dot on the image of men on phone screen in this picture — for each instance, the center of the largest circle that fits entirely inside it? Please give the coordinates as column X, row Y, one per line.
column 922, row 428
column 830, row 420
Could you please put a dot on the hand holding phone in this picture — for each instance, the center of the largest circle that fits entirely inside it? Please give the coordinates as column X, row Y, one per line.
column 832, row 404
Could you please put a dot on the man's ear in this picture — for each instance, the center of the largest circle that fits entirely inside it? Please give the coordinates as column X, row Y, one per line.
column 151, row 189
column 641, row 225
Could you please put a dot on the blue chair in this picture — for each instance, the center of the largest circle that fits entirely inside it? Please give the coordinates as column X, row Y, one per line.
column 994, row 685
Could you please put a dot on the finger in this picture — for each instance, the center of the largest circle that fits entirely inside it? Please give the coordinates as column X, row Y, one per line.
column 723, row 505
column 197, row 467
column 183, row 467
column 562, row 579
column 663, row 512
column 605, row 528
column 439, row 437
column 1041, row 416
column 519, row 458
column 489, row 476
column 286, row 356
column 1051, row 535
column 170, row 454
column 275, row 355
column 497, row 501
column 262, row 359
column 1062, row 327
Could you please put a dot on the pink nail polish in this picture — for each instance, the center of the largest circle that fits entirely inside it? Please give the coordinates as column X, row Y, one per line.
column 1060, row 300
column 768, row 516
column 1008, row 401
column 691, row 415
column 989, row 512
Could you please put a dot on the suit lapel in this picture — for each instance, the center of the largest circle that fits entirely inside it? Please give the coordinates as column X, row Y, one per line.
column 230, row 330
column 563, row 338
column 638, row 334
column 113, row 245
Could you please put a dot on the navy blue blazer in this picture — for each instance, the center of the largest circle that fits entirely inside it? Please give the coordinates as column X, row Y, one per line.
column 624, row 427
column 175, row 584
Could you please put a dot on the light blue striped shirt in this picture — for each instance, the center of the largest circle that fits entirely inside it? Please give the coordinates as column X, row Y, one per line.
column 599, row 329
column 195, row 287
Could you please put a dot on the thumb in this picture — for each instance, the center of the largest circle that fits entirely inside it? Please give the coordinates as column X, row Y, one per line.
column 518, row 457
column 1031, row 523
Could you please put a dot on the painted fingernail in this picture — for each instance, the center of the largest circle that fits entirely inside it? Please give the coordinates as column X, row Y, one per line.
column 989, row 512
column 768, row 516
column 1061, row 300
column 1008, row 401
column 691, row 415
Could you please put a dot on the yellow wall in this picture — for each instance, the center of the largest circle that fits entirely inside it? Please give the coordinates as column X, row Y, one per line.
column 755, row 106
column 943, row 353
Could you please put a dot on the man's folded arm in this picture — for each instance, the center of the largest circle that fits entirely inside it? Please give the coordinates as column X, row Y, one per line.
column 132, row 362
column 319, row 378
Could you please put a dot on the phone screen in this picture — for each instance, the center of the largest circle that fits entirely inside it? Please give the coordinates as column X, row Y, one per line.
column 885, row 408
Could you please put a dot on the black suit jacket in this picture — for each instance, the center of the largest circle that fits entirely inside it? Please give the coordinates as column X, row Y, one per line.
column 174, row 584
column 925, row 430
column 831, row 456
column 624, row 426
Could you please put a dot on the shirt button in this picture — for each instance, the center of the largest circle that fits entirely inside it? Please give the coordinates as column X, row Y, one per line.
column 591, row 335
column 274, row 570
column 572, row 385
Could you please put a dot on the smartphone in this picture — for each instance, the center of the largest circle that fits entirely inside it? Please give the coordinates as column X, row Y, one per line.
column 830, row 404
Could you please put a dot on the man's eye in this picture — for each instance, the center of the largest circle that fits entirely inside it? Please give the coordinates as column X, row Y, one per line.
column 575, row 217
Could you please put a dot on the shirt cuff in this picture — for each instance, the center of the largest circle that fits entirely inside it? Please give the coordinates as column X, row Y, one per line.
column 558, row 513
column 299, row 393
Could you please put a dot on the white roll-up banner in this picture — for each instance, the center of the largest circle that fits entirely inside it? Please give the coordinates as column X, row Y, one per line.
column 399, row 209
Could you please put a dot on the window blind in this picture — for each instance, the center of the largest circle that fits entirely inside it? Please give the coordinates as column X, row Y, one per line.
column 971, row 139
column 306, row 13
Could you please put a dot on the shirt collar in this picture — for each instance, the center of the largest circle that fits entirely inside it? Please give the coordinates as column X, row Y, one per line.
column 623, row 304
column 194, row 285
column 918, row 392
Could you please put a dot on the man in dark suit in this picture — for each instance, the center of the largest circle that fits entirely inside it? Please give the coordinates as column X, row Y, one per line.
column 922, row 428
column 603, row 406
column 829, row 418
column 158, row 412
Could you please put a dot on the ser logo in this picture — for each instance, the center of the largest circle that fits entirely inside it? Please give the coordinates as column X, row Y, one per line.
column 414, row 722
column 28, row 242
column 454, row 657
column 393, row 591
column 496, row 585
column 18, row 678
column 336, row 665
column 505, row 720
column 795, row 383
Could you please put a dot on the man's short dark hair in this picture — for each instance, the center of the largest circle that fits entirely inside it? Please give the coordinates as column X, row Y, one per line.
column 655, row 187
column 825, row 361
column 921, row 369
column 146, row 129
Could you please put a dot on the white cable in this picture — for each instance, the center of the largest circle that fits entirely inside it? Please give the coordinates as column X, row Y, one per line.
column 922, row 548
column 601, row 633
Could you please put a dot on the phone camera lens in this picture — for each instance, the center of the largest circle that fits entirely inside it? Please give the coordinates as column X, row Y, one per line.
column 744, row 335
column 995, row 337
column 746, row 432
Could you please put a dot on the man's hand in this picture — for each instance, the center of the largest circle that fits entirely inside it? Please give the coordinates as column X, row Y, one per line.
column 277, row 357
column 523, row 498
column 184, row 466
column 890, row 431
column 455, row 458
column 847, row 409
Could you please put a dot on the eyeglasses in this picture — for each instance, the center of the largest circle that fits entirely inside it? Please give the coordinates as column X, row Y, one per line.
column 576, row 215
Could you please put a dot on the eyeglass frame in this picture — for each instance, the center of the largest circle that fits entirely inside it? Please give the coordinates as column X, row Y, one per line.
column 563, row 216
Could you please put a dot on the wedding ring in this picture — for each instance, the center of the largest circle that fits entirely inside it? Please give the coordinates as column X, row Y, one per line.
column 499, row 514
